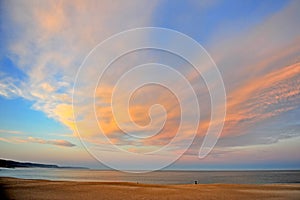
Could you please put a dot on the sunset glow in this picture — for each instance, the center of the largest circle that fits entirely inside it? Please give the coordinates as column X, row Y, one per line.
column 255, row 45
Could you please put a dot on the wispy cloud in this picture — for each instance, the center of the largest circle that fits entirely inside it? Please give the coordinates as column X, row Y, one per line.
column 11, row 132
column 262, row 98
column 17, row 140
column 56, row 36
column 260, row 68
column 64, row 143
column 5, row 140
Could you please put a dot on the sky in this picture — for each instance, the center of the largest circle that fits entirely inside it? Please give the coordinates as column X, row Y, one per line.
column 255, row 45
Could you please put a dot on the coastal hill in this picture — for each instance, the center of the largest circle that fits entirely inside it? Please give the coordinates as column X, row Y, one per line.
column 15, row 164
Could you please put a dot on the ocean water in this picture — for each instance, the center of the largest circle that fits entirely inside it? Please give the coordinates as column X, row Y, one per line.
column 158, row 177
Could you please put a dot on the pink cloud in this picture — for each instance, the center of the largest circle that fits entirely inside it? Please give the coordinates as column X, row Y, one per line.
column 64, row 143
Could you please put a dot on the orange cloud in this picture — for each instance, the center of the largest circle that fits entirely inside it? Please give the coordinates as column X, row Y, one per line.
column 139, row 107
column 64, row 143
column 262, row 98
column 53, row 19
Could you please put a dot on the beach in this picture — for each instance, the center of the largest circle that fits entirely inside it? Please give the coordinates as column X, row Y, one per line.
column 14, row 188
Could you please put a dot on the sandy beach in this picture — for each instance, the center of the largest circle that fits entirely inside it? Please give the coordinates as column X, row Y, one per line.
column 14, row 188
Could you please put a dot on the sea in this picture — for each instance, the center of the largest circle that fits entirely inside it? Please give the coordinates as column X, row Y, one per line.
column 157, row 177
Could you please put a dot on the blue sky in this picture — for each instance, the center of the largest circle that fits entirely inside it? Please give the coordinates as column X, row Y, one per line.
column 202, row 20
column 255, row 45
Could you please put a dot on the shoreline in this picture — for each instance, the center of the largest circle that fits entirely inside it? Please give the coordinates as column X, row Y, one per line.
column 15, row 188
column 144, row 183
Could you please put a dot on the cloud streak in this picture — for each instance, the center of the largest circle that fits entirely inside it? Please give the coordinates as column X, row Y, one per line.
column 10, row 132
column 63, row 143
column 262, row 98
column 56, row 142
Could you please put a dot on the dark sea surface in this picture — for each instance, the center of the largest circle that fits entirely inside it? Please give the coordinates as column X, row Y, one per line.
column 158, row 177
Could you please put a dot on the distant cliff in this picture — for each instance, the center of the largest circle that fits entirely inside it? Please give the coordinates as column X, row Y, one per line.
column 15, row 164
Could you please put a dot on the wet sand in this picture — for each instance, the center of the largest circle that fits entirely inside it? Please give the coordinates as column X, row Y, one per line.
column 14, row 188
